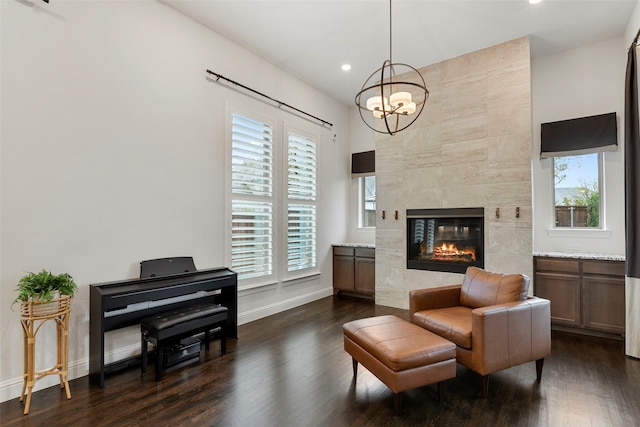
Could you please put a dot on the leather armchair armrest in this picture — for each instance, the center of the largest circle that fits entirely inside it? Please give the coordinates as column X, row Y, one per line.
column 432, row 298
column 509, row 334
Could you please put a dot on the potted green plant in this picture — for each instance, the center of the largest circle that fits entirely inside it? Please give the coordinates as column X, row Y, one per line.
column 44, row 286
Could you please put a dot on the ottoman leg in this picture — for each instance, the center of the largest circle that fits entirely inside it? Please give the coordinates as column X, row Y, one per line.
column 397, row 401
column 485, row 386
column 355, row 366
column 539, row 365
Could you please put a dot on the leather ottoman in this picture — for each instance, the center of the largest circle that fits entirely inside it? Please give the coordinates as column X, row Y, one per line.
column 400, row 354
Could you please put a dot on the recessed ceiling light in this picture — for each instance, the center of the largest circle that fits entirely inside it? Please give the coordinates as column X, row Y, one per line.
column 346, row 67
column 534, row 1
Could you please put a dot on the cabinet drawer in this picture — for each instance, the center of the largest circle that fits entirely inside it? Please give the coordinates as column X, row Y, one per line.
column 558, row 265
column 609, row 268
column 366, row 252
column 343, row 250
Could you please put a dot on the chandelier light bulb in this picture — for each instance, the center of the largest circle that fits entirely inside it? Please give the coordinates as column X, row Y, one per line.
column 407, row 109
column 375, row 103
column 400, row 99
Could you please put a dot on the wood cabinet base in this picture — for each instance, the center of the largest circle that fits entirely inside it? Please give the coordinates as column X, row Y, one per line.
column 587, row 296
column 354, row 271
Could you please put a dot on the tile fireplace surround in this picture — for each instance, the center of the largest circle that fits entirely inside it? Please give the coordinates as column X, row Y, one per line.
column 471, row 147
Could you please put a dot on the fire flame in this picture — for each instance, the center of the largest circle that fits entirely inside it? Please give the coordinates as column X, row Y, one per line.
column 450, row 250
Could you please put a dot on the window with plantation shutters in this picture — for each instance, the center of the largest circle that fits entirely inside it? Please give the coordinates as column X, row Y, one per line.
column 252, row 204
column 301, row 203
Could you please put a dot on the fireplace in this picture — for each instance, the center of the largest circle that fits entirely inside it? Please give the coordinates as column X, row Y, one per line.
column 447, row 240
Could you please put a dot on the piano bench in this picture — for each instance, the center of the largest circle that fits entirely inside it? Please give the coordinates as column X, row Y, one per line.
column 165, row 329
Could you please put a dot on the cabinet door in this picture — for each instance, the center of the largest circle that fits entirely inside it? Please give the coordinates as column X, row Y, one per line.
column 365, row 277
column 343, row 274
column 563, row 290
column 603, row 303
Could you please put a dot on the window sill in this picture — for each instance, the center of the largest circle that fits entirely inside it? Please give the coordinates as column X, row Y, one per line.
column 597, row 233
column 256, row 287
column 302, row 277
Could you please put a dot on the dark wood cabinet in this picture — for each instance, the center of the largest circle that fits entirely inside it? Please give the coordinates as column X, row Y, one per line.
column 587, row 296
column 354, row 270
column 343, row 269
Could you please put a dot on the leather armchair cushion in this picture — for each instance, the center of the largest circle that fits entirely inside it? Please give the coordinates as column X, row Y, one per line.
column 482, row 288
column 453, row 323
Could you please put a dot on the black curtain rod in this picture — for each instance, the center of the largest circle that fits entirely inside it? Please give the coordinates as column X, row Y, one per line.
column 280, row 103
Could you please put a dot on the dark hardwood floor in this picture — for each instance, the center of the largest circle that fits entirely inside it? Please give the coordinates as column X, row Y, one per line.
column 290, row 370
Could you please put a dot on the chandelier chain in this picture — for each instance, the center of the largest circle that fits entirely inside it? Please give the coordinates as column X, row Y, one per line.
column 390, row 34
column 397, row 102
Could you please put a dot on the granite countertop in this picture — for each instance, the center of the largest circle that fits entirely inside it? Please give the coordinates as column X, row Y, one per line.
column 355, row 245
column 576, row 255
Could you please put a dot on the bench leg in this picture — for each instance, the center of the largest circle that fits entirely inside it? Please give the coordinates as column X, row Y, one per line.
column 159, row 361
column 354, row 362
column 223, row 339
column 144, row 355
column 207, row 337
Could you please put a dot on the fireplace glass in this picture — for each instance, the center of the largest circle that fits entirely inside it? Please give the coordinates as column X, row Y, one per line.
column 447, row 240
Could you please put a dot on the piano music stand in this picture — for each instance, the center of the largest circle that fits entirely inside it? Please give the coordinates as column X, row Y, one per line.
column 166, row 266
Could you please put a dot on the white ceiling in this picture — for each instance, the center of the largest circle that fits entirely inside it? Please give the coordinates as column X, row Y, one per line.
column 311, row 39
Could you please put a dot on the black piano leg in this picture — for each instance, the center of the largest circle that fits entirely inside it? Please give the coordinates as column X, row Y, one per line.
column 207, row 337
column 144, row 355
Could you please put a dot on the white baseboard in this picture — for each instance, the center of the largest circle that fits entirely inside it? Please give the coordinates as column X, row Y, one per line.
column 10, row 389
column 268, row 310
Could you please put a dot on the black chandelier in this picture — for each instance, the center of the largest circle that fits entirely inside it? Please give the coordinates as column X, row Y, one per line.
column 394, row 93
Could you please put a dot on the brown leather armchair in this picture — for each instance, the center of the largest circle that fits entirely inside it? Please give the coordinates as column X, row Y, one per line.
column 490, row 318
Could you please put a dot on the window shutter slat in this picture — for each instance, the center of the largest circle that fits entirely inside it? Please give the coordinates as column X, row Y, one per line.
column 252, row 216
column 301, row 211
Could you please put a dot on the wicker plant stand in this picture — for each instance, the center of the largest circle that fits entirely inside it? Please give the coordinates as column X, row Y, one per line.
column 33, row 314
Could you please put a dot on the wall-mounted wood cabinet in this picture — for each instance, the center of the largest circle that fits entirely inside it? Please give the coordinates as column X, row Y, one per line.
column 354, row 270
column 587, row 296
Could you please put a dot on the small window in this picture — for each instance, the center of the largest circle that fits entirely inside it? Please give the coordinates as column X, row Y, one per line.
column 367, row 201
column 577, row 187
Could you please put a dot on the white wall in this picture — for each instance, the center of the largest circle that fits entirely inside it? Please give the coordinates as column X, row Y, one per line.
column 361, row 139
column 112, row 152
column 633, row 26
column 580, row 82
